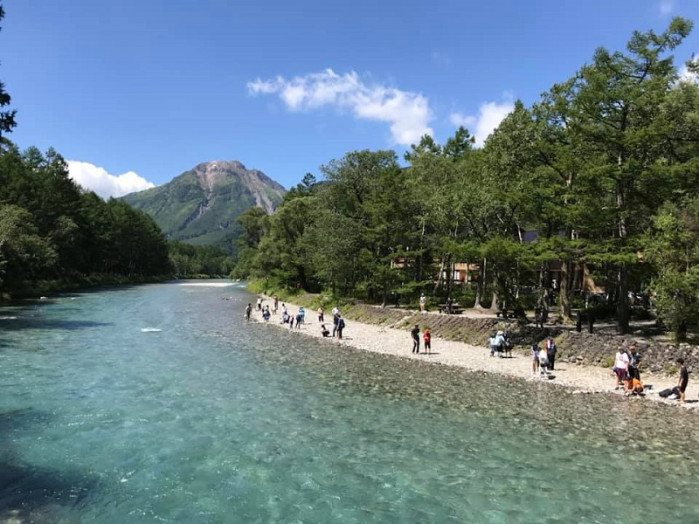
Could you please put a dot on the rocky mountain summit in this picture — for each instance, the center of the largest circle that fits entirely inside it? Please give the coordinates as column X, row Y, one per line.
column 201, row 205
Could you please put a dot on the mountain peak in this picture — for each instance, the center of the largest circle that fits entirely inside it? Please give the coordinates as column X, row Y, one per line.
column 201, row 205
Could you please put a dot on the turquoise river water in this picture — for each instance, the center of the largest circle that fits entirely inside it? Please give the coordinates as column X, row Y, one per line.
column 158, row 403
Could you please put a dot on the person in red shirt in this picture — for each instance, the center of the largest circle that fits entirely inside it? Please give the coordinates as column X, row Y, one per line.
column 427, row 338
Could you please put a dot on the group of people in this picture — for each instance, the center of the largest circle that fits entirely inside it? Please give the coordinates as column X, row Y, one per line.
column 426, row 338
column 499, row 344
column 300, row 317
column 338, row 323
column 626, row 372
column 626, row 361
column 544, row 357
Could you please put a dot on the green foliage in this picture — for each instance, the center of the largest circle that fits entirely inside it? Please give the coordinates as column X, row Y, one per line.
column 190, row 261
column 52, row 231
column 673, row 248
column 7, row 117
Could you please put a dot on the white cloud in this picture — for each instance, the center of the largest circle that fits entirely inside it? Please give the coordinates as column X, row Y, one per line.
column 490, row 114
column 685, row 75
column 407, row 114
column 667, row 7
column 97, row 179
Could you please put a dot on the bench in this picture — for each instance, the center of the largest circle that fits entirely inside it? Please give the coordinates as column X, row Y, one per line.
column 450, row 309
column 511, row 313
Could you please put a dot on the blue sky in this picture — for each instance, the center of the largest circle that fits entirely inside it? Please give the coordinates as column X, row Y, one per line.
column 135, row 92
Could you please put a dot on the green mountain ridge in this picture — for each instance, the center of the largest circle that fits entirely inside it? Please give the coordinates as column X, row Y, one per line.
column 201, row 205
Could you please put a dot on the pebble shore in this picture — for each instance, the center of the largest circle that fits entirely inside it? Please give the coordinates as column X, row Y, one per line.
column 397, row 342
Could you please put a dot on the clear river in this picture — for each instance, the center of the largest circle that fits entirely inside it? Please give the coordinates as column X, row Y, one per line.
column 159, row 403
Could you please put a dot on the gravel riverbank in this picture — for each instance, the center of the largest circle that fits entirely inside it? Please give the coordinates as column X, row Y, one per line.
column 381, row 339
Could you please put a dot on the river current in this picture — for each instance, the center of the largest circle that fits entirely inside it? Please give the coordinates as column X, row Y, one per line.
column 159, row 403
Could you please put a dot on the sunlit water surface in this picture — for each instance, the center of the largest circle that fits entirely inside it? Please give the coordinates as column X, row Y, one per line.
column 160, row 404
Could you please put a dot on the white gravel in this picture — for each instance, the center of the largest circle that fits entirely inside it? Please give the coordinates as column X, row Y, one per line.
column 584, row 379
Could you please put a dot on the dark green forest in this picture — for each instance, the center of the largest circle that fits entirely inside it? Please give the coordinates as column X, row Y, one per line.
column 597, row 179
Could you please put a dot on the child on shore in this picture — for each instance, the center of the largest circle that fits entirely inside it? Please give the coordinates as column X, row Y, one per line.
column 427, row 337
column 543, row 362
column 632, row 386
column 535, row 358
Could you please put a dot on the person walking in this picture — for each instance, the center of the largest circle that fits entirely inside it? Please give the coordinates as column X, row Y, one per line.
column 415, row 333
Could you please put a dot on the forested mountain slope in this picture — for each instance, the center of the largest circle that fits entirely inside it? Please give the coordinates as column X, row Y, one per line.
column 201, row 205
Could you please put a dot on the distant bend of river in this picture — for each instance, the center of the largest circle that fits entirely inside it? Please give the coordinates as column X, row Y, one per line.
column 159, row 403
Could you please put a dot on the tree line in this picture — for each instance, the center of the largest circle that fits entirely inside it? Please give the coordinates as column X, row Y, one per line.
column 54, row 234
column 600, row 173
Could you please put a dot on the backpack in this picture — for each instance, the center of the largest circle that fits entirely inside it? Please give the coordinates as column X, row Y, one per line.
column 341, row 323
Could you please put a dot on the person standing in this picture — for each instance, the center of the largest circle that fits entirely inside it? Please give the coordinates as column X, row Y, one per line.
column 500, row 343
column 535, row 358
column 634, row 363
column 684, row 379
column 340, row 326
column 320, row 315
column 551, row 350
column 621, row 367
column 259, row 303
column 427, row 339
column 276, row 304
column 336, row 317
column 543, row 362
column 492, row 342
column 415, row 333
column 248, row 310
column 423, row 303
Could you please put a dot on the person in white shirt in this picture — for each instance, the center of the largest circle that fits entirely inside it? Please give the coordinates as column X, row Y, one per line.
column 621, row 367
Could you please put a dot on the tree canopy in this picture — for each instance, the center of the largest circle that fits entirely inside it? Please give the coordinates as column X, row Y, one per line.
column 569, row 189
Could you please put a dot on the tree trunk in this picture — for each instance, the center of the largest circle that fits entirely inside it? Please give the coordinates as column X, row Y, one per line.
column 495, row 304
column 439, row 278
column 422, row 255
column 622, row 300
column 480, row 286
column 564, row 286
column 450, row 274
